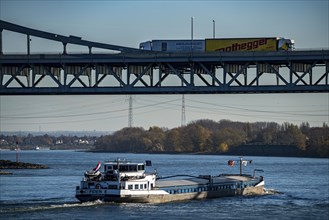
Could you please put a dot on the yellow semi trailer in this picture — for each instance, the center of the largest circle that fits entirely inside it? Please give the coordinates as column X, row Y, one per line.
column 248, row 44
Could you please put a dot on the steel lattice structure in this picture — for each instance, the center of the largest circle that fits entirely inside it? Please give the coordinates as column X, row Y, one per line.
column 132, row 71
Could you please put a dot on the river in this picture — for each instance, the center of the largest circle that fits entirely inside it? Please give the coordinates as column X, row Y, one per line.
column 298, row 188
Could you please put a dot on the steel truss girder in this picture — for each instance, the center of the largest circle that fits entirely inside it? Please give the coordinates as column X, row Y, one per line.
column 135, row 74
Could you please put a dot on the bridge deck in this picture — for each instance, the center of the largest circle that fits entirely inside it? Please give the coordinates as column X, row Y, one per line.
column 134, row 71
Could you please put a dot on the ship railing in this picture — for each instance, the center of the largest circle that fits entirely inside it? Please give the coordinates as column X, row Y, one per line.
column 257, row 170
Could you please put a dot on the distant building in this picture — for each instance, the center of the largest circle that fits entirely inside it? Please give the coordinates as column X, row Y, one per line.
column 58, row 142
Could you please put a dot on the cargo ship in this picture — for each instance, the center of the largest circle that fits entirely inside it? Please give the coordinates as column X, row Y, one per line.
column 127, row 182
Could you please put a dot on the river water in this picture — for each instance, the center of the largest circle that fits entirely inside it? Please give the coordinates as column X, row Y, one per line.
column 298, row 188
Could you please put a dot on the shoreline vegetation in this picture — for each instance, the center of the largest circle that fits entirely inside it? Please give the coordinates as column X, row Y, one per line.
column 222, row 138
column 198, row 137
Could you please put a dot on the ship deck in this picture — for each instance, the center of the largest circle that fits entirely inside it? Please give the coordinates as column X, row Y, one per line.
column 163, row 183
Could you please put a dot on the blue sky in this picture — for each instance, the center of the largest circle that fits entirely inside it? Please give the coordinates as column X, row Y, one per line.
column 128, row 23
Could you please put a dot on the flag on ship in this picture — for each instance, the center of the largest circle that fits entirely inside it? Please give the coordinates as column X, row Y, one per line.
column 230, row 163
column 245, row 162
column 97, row 167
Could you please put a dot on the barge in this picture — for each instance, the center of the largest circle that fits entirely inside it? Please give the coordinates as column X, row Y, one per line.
column 127, row 182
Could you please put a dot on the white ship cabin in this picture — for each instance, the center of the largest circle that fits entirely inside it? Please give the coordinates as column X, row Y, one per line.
column 121, row 175
column 124, row 168
column 127, row 175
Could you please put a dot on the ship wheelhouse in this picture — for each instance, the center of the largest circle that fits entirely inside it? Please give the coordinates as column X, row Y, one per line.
column 129, row 176
column 124, row 168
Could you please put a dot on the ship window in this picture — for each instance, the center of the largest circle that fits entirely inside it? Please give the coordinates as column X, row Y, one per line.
column 141, row 186
column 132, row 168
column 145, row 186
column 108, row 168
column 130, row 186
column 124, row 168
column 136, row 186
column 141, row 167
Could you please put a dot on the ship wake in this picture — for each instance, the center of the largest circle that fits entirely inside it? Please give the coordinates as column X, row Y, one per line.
column 38, row 207
column 271, row 192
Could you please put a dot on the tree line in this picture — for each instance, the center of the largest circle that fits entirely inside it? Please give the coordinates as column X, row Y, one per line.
column 223, row 137
column 202, row 136
column 30, row 141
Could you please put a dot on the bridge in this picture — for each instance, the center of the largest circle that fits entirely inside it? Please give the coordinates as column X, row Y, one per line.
column 125, row 70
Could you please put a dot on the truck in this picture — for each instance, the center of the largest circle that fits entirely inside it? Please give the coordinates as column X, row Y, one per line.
column 220, row 45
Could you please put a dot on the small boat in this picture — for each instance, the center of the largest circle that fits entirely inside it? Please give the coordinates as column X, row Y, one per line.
column 41, row 148
column 127, row 182
column 94, row 174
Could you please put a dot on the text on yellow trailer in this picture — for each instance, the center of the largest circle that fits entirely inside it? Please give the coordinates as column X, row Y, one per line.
column 248, row 44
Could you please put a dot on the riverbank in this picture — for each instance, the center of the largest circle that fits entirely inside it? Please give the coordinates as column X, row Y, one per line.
column 242, row 150
column 8, row 164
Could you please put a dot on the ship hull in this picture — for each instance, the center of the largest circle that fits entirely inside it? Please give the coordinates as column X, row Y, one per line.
column 165, row 198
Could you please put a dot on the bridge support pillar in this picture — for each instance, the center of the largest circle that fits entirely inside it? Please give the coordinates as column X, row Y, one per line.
column 1, row 41
column 28, row 41
column 64, row 48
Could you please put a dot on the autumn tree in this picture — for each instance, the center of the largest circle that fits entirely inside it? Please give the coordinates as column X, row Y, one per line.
column 291, row 135
column 172, row 141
